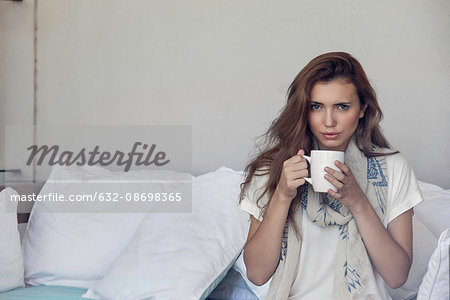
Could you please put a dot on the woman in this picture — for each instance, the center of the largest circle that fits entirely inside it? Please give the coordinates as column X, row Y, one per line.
column 338, row 245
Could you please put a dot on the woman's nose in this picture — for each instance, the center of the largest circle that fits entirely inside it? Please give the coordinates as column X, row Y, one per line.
column 330, row 120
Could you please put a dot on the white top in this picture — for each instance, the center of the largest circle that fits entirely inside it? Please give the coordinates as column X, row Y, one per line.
column 315, row 276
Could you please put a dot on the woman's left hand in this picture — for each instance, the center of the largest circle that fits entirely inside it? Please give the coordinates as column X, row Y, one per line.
column 348, row 190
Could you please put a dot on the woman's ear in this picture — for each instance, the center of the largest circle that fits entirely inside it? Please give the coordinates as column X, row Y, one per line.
column 362, row 111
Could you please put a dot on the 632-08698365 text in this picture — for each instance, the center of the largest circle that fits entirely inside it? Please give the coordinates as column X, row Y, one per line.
column 100, row 196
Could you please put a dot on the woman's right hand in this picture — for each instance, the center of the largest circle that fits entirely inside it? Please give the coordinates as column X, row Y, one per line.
column 295, row 169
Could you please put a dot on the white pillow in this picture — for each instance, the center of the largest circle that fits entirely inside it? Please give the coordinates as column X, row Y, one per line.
column 435, row 284
column 78, row 248
column 434, row 211
column 11, row 264
column 182, row 256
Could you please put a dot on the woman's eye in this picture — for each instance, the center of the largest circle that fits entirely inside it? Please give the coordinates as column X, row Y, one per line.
column 315, row 106
column 343, row 106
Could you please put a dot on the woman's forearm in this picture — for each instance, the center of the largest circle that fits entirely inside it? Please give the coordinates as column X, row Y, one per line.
column 388, row 257
column 262, row 251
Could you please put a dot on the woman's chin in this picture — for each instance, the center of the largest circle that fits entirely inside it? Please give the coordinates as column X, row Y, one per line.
column 332, row 145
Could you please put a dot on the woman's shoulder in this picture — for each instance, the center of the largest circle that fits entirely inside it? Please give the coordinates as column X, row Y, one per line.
column 392, row 156
column 395, row 160
column 262, row 171
column 398, row 169
column 259, row 180
column 258, row 183
column 256, row 191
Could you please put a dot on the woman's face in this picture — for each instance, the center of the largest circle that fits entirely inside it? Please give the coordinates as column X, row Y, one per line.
column 334, row 113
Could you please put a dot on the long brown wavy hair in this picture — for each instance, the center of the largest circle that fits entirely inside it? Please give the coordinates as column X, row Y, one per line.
column 290, row 131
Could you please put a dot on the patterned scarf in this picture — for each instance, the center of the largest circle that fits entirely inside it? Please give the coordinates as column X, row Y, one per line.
column 352, row 264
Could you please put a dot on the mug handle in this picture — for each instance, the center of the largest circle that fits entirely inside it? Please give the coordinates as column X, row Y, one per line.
column 308, row 179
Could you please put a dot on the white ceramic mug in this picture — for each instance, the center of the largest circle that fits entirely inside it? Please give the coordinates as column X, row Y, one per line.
column 318, row 161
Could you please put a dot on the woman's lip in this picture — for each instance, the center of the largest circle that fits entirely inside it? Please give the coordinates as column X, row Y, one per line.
column 330, row 135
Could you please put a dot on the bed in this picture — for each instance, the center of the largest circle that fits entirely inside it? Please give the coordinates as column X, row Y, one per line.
column 140, row 255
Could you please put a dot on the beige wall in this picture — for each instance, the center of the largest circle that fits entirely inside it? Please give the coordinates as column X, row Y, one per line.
column 224, row 67
column 16, row 69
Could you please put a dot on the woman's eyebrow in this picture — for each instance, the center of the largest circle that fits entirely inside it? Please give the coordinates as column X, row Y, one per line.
column 339, row 103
